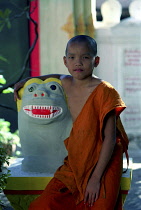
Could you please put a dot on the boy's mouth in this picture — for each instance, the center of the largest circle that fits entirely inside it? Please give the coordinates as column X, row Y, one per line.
column 78, row 70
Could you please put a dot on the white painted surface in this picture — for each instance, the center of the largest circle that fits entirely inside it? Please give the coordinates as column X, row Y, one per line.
column 125, row 3
column 120, row 52
column 53, row 39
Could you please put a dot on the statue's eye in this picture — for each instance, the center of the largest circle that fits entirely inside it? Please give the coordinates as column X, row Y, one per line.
column 53, row 87
column 31, row 89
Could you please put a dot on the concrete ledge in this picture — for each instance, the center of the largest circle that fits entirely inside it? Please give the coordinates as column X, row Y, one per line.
column 22, row 187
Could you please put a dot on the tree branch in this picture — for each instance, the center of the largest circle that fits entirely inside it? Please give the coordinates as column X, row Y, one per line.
column 8, row 107
column 27, row 57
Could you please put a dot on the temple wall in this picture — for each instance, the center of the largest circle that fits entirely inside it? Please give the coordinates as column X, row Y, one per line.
column 120, row 52
column 59, row 21
column 54, row 15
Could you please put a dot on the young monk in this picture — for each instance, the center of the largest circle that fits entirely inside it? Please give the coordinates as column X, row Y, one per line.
column 91, row 173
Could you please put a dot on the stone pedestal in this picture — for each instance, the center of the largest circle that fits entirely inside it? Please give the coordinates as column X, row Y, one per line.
column 23, row 187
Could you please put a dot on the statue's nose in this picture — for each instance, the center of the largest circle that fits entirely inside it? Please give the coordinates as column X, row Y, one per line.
column 40, row 93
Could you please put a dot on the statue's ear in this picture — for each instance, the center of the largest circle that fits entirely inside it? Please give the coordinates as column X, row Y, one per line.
column 19, row 101
column 52, row 79
column 21, row 91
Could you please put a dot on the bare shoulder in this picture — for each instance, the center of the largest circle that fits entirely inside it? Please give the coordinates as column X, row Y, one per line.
column 66, row 80
column 96, row 81
column 65, row 77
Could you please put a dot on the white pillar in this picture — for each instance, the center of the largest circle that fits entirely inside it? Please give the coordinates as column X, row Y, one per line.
column 56, row 26
column 79, row 17
column 93, row 10
column 88, row 18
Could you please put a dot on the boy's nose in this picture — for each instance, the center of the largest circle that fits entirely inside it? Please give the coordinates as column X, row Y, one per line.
column 78, row 62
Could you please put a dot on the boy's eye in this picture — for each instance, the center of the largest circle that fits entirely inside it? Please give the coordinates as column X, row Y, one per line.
column 85, row 57
column 71, row 57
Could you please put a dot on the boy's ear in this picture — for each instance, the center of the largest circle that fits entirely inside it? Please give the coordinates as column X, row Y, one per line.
column 65, row 61
column 97, row 60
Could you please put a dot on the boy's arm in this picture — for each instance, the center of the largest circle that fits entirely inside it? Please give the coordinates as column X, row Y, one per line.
column 21, row 83
column 93, row 186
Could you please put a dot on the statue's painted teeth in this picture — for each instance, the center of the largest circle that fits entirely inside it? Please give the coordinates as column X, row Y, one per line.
column 42, row 112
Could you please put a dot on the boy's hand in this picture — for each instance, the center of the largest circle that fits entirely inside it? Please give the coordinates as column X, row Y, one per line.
column 92, row 191
column 18, row 86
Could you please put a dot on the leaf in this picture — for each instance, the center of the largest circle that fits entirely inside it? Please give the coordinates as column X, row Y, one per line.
column 2, row 80
column 1, row 14
column 8, row 90
column 2, row 26
column 8, row 24
column 7, row 12
column 5, row 19
column 3, row 59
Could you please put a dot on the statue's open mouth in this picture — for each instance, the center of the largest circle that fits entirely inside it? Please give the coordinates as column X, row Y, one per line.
column 47, row 112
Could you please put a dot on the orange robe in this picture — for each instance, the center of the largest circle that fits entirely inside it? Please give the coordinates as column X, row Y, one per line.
column 66, row 190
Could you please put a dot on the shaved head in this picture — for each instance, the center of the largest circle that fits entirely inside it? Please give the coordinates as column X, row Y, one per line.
column 92, row 45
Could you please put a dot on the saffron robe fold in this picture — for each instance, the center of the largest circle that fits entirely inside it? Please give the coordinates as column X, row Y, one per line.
column 85, row 140
column 84, row 145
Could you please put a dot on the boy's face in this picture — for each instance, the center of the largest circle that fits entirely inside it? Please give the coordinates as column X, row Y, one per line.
column 79, row 60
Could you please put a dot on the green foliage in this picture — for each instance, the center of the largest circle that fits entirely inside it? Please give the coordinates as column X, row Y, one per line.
column 2, row 80
column 4, row 172
column 3, row 156
column 5, row 18
column 3, row 59
column 8, row 90
column 6, row 137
